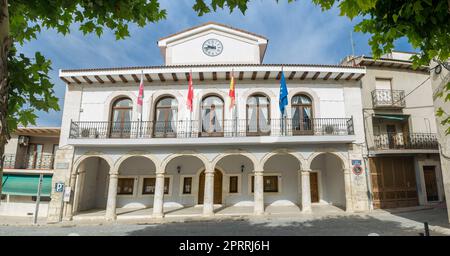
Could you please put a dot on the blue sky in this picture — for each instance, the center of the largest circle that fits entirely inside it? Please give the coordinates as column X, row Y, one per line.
column 298, row 32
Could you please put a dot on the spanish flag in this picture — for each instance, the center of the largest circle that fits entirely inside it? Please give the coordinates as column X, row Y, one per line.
column 231, row 93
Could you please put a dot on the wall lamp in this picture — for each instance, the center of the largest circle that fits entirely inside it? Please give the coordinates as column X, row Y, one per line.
column 242, row 168
column 178, row 169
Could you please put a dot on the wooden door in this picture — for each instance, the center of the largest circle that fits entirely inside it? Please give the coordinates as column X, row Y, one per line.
column 201, row 187
column 217, row 187
column 429, row 174
column 314, row 186
column 393, row 182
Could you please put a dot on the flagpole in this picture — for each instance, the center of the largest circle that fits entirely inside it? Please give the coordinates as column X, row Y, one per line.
column 140, row 119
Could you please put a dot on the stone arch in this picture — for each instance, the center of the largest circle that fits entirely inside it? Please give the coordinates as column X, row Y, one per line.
column 334, row 181
column 298, row 156
column 80, row 159
column 201, row 157
column 113, row 96
column 236, row 152
column 92, row 180
column 151, row 157
column 308, row 92
column 339, row 155
column 265, row 91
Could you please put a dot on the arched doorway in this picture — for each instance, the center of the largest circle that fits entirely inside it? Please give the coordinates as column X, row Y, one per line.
column 92, row 184
column 281, row 180
column 218, row 179
column 237, row 172
column 136, row 182
column 328, row 169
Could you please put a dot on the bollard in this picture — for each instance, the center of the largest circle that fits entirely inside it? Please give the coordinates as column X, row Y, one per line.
column 427, row 230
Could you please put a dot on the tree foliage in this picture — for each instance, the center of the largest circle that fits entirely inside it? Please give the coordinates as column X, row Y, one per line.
column 30, row 88
column 425, row 23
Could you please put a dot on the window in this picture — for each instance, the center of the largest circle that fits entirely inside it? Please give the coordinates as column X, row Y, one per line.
column 270, row 183
column 187, row 185
column 166, row 117
column 258, row 115
column 302, row 114
column 121, row 118
column 233, row 184
column 149, row 185
column 125, row 186
column 212, row 116
column 34, row 156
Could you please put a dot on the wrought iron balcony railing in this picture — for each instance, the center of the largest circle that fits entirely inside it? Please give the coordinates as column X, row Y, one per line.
column 406, row 141
column 37, row 161
column 208, row 128
column 388, row 98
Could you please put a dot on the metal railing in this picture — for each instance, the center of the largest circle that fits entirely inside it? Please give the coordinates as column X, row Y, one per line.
column 406, row 141
column 207, row 128
column 39, row 161
column 388, row 98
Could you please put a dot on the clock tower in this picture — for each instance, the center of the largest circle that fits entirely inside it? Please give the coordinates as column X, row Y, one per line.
column 213, row 43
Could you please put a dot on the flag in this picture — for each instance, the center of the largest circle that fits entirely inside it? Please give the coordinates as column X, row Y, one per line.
column 190, row 93
column 141, row 94
column 232, row 93
column 283, row 101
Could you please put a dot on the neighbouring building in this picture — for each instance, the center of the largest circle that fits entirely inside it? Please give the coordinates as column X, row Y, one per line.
column 216, row 159
column 400, row 128
column 29, row 153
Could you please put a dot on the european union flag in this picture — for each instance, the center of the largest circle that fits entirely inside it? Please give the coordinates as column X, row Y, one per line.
column 283, row 101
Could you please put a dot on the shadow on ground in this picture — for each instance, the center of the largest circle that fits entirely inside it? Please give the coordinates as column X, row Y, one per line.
column 352, row 225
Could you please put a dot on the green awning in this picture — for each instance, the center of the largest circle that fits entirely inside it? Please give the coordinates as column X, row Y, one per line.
column 393, row 117
column 25, row 185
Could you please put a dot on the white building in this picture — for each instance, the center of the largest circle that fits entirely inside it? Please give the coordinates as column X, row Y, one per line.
column 246, row 158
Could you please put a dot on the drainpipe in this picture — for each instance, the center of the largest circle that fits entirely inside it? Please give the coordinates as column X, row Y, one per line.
column 366, row 169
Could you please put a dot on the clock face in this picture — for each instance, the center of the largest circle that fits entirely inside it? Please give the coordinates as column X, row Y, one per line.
column 212, row 47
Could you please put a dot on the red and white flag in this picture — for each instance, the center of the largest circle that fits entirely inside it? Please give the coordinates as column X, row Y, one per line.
column 140, row 98
column 190, row 93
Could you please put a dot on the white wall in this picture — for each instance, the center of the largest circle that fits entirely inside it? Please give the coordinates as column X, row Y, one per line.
column 23, row 209
column 331, row 100
column 235, row 50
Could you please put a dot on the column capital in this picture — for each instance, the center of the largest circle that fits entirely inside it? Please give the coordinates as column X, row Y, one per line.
column 114, row 175
column 159, row 175
column 305, row 170
column 259, row 173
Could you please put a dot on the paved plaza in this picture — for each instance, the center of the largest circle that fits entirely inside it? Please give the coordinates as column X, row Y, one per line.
column 378, row 222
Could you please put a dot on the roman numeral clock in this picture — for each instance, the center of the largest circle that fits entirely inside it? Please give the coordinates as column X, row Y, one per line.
column 212, row 47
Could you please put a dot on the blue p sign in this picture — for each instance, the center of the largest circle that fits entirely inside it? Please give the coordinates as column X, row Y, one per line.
column 59, row 187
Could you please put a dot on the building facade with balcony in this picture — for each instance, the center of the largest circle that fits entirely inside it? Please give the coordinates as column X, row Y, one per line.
column 246, row 159
column 29, row 153
column 400, row 132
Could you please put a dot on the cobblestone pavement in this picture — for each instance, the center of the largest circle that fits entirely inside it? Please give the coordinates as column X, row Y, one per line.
column 380, row 223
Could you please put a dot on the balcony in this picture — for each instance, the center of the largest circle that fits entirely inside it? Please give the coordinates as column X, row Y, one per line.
column 39, row 162
column 225, row 128
column 388, row 98
column 406, row 141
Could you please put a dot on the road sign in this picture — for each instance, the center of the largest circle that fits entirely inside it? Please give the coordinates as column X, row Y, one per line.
column 59, row 187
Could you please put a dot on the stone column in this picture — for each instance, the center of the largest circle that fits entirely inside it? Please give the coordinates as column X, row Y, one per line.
column 348, row 190
column 158, row 199
column 258, row 191
column 306, row 192
column 208, row 200
column 112, row 197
